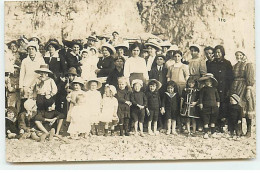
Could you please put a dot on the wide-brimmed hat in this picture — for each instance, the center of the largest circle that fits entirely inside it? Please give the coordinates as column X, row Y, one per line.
column 240, row 51
column 78, row 80
column 12, row 42
column 83, row 50
column 73, row 71
column 77, row 42
column 196, row 46
column 67, row 43
column 111, row 48
column 33, row 44
column 173, row 48
column 166, row 43
column 209, row 76
column 43, row 68
column 160, row 55
column 115, row 32
column 35, row 36
column 92, row 37
column 94, row 49
column 153, row 43
column 124, row 45
column 137, row 81
column 158, row 84
column 112, row 88
column 29, row 104
column 12, row 109
column 99, row 84
column 54, row 43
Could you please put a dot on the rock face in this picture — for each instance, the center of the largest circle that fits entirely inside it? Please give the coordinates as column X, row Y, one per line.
column 204, row 22
column 71, row 19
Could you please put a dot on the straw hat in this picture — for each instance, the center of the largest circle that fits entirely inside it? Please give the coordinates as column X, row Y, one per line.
column 83, row 50
column 35, row 36
column 99, row 84
column 137, row 81
column 33, row 44
column 91, row 37
column 54, row 43
column 94, row 49
column 124, row 45
column 166, row 43
column 78, row 80
column 73, row 71
column 173, row 48
column 209, row 76
column 112, row 88
column 43, row 68
column 111, row 48
column 153, row 43
column 158, row 84
column 12, row 42
column 196, row 46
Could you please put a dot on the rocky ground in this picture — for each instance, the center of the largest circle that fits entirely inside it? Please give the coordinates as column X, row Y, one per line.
column 162, row 147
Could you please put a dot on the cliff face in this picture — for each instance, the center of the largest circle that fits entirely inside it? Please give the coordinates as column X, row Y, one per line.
column 204, row 22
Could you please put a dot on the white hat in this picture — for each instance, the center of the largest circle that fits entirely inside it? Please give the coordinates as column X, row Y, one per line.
column 166, row 43
column 173, row 48
column 124, row 44
column 83, row 50
column 43, row 68
column 109, row 46
column 78, row 80
column 137, row 81
column 153, row 43
column 33, row 44
column 195, row 45
column 112, row 89
column 99, row 84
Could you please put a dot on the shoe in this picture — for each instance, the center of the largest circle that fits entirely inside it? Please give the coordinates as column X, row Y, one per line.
column 200, row 129
column 127, row 134
column 151, row 133
column 248, row 134
column 156, row 133
column 214, row 135
column 168, row 132
column 189, row 134
column 174, row 133
column 142, row 134
column 206, row 136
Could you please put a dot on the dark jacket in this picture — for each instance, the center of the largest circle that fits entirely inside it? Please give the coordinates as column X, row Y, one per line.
column 171, row 103
column 235, row 112
column 153, row 100
column 161, row 77
column 73, row 61
column 57, row 65
column 138, row 98
column 26, row 122
column 123, row 109
column 208, row 96
column 41, row 115
column 12, row 126
column 222, row 71
column 106, row 65
column 113, row 77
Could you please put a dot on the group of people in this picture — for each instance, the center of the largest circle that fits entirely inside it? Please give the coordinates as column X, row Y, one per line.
column 124, row 86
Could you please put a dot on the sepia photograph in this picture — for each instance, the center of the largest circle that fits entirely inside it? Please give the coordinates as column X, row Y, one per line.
column 129, row 80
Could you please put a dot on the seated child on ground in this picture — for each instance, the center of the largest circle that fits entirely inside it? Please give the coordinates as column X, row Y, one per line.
column 11, row 128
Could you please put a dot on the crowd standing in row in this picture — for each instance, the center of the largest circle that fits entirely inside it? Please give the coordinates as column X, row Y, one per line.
column 130, row 85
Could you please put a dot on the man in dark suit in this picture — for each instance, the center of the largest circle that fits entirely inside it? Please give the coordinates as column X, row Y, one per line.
column 74, row 58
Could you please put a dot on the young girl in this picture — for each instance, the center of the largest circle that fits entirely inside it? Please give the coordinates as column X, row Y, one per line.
column 80, row 121
column 189, row 101
column 11, row 123
column 139, row 102
column 123, row 112
column 153, row 105
column 235, row 117
column 78, row 84
column 178, row 72
column 93, row 103
column 209, row 103
column 109, row 109
column 45, row 88
column 170, row 106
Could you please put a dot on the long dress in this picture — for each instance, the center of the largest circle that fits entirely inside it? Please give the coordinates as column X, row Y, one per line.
column 109, row 109
column 93, row 105
column 80, row 121
column 244, row 78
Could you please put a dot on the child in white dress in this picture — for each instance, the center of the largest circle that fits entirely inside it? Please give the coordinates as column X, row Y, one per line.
column 93, row 102
column 109, row 109
column 80, row 121
column 78, row 85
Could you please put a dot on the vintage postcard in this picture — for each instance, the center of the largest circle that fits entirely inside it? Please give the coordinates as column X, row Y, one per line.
column 124, row 80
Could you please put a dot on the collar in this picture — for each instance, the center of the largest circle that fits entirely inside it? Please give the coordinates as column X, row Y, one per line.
column 170, row 95
column 72, row 53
